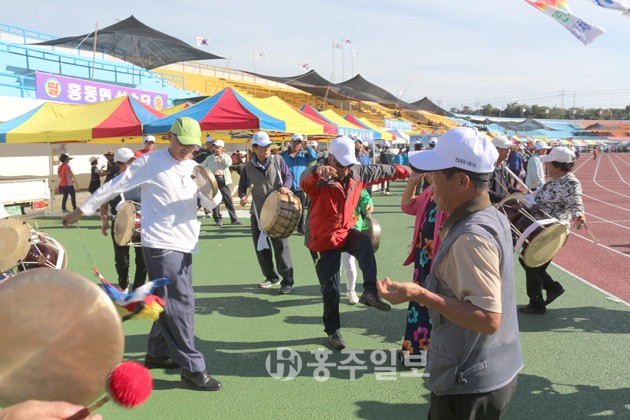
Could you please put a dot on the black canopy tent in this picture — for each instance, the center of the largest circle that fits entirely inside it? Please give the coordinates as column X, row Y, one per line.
column 136, row 43
column 426, row 104
column 310, row 82
column 357, row 88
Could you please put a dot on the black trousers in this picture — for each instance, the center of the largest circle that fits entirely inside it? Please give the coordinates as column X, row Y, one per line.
column 121, row 261
column 302, row 196
column 486, row 406
column 227, row 201
column 327, row 264
column 265, row 257
column 537, row 279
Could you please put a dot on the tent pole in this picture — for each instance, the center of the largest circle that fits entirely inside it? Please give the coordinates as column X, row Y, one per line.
column 51, row 184
column 94, row 49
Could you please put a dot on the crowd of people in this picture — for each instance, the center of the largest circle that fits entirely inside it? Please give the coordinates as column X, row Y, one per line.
column 461, row 321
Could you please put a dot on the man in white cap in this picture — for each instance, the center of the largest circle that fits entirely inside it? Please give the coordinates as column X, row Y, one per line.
column 501, row 183
column 148, row 143
column 123, row 158
column 433, row 142
column 202, row 154
column 219, row 164
column 334, row 189
column 169, row 235
column 298, row 157
column 535, row 169
column 475, row 353
column 265, row 173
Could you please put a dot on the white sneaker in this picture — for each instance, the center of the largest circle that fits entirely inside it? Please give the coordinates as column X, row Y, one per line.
column 352, row 297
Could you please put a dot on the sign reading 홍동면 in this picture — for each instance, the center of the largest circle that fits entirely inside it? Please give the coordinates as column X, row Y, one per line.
column 79, row 91
column 390, row 124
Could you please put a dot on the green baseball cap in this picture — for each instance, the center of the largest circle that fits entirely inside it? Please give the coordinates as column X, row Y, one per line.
column 187, row 131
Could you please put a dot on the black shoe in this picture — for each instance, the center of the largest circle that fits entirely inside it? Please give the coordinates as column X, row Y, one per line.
column 159, row 362
column 237, row 222
column 285, row 289
column 201, row 380
column 529, row 309
column 336, row 341
column 375, row 301
column 219, row 223
column 268, row 283
column 551, row 296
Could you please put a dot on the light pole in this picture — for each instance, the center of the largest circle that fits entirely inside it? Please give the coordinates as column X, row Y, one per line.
column 547, row 112
column 522, row 112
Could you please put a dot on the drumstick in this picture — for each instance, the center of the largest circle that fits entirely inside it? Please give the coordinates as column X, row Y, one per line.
column 518, row 180
column 590, row 234
column 249, row 190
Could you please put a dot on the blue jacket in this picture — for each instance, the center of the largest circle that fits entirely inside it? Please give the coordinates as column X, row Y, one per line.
column 298, row 164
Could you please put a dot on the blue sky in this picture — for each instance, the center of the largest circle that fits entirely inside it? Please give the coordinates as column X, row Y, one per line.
column 453, row 51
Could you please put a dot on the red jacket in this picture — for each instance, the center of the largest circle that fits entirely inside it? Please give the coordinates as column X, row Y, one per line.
column 331, row 212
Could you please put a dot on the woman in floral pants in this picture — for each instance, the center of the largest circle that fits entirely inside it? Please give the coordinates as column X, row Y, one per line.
column 425, row 243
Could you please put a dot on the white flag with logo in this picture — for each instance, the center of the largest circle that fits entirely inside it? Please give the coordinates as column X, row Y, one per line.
column 304, row 66
column 260, row 54
column 621, row 5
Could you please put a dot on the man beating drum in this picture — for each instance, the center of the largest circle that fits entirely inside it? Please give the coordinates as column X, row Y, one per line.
column 265, row 174
column 170, row 235
column 123, row 158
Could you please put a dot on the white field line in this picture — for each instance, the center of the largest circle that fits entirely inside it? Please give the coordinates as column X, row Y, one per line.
column 610, row 295
column 600, row 244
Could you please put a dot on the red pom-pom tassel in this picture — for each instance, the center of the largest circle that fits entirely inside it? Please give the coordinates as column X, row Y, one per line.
column 130, row 384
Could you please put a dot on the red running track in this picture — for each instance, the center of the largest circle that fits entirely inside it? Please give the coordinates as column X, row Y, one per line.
column 606, row 195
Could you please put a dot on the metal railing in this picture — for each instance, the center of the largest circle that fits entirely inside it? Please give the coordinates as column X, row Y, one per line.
column 25, row 33
column 121, row 73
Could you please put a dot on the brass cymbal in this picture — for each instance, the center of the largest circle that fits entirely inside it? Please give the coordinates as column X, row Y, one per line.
column 60, row 335
column 15, row 241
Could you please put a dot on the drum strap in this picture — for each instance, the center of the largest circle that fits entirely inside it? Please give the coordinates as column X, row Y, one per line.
column 538, row 223
column 262, row 239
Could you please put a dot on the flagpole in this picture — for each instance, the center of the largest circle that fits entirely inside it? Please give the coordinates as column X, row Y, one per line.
column 94, row 49
column 343, row 60
column 254, row 63
column 333, row 61
column 351, row 62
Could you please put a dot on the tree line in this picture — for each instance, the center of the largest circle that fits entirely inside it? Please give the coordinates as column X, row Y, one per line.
column 516, row 110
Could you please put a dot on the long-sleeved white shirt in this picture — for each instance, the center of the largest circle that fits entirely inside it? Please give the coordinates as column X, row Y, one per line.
column 169, row 200
column 535, row 172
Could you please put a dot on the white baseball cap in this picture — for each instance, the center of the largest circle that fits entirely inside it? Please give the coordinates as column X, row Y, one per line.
column 123, row 155
column 433, row 141
column 209, row 139
column 559, row 154
column 342, row 148
column 147, row 139
column 314, row 143
column 261, row 139
column 462, row 147
column 539, row 145
column 297, row 137
column 219, row 143
column 93, row 159
column 502, row 142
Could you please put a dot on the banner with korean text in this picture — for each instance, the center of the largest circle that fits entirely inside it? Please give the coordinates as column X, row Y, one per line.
column 79, row 91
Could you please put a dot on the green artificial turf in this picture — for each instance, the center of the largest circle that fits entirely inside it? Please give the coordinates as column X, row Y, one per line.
column 577, row 361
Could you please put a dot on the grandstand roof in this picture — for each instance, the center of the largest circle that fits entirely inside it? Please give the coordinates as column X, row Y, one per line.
column 134, row 42
column 425, row 104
